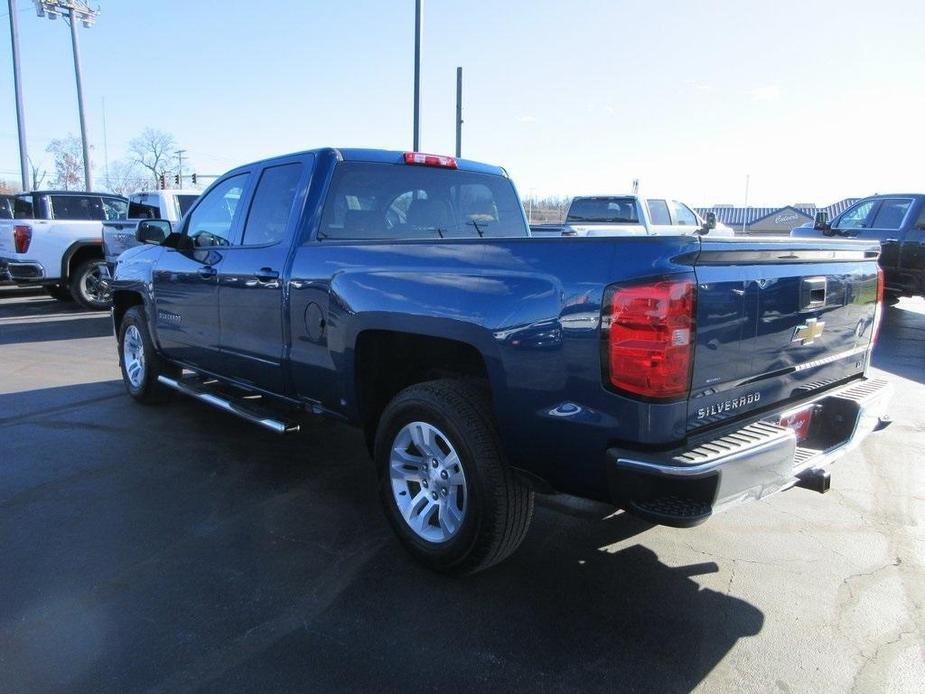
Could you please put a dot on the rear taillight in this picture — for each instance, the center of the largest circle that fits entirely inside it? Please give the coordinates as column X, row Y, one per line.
column 878, row 309
column 648, row 338
column 22, row 237
column 422, row 159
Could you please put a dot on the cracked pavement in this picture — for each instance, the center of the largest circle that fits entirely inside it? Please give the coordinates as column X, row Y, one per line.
column 177, row 549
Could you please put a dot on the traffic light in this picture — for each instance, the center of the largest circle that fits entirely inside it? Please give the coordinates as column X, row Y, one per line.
column 176, row 179
column 194, row 179
column 163, row 185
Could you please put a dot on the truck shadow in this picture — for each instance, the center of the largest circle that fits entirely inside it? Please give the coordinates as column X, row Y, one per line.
column 901, row 342
column 43, row 319
column 149, row 529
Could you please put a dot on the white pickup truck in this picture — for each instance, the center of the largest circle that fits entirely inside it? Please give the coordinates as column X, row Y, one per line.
column 55, row 240
column 631, row 215
column 119, row 236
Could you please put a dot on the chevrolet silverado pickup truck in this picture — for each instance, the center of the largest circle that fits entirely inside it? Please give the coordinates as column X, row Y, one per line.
column 672, row 376
column 119, row 235
column 55, row 240
column 897, row 223
column 630, row 215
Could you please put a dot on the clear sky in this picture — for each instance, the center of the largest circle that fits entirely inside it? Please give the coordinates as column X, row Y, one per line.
column 816, row 101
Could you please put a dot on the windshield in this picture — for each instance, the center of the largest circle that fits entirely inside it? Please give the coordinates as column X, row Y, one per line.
column 609, row 210
column 184, row 202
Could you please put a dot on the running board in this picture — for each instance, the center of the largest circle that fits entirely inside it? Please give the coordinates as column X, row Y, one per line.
column 251, row 412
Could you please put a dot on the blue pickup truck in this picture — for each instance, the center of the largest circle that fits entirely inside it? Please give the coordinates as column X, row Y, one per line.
column 671, row 376
column 897, row 223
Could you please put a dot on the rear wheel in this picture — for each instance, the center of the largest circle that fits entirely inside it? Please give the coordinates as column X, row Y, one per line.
column 87, row 286
column 447, row 491
column 140, row 363
column 59, row 292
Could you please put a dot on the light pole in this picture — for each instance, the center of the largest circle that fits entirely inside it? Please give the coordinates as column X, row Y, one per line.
column 459, row 120
column 75, row 11
column 20, row 116
column 417, row 74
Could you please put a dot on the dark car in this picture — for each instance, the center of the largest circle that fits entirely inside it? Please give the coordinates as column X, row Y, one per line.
column 897, row 223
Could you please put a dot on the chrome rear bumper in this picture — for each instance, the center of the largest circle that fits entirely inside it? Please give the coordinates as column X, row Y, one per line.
column 750, row 463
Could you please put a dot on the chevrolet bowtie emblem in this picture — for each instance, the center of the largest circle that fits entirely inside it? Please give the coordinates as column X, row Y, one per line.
column 807, row 334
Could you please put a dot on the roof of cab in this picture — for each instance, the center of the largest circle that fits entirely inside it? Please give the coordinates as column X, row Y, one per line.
column 382, row 156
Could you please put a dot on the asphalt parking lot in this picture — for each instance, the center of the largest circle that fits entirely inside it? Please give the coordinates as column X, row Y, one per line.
column 176, row 549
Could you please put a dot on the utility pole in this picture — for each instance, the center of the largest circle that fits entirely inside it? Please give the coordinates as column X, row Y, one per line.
column 459, row 120
column 180, row 153
column 745, row 215
column 417, row 74
column 74, row 11
column 105, row 145
column 20, row 116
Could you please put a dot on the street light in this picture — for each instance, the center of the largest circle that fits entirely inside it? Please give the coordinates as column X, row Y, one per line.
column 74, row 11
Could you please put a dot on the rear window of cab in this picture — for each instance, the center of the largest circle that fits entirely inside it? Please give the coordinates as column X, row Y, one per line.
column 388, row 201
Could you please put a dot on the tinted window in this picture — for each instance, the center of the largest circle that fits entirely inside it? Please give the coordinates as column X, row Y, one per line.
column 210, row 222
column 22, row 207
column 269, row 213
column 184, row 202
column 6, row 208
column 658, row 212
column 891, row 214
column 115, row 209
column 683, row 216
column 609, row 210
column 137, row 210
column 387, row 201
column 76, row 207
column 856, row 217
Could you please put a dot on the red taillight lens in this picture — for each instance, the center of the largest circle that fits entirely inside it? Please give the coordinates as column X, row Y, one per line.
column 22, row 237
column 650, row 338
column 422, row 159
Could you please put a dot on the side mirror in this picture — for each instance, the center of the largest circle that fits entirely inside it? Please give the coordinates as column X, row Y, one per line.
column 710, row 223
column 822, row 221
column 153, row 231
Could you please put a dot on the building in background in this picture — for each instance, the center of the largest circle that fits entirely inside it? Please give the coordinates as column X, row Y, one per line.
column 772, row 221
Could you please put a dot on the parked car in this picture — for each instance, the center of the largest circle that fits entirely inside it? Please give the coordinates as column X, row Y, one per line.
column 897, row 223
column 119, row 235
column 55, row 240
column 672, row 375
column 630, row 215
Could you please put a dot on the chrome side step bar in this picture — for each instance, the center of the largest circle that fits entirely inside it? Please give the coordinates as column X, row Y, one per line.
column 195, row 388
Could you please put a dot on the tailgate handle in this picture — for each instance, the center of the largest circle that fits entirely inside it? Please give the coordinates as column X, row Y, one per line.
column 812, row 292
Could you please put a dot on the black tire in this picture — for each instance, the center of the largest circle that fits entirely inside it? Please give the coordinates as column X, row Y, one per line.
column 891, row 298
column 85, row 287
column 147, row 390
column 499, row 505
column 59, row 292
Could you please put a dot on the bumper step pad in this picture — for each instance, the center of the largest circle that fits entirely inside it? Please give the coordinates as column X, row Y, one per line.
column 670, row 510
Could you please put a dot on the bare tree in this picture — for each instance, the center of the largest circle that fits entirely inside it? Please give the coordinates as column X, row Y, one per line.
column 153, row 150
column 38, row 175
column 69, row 163
column 125, row 176
column 8, row 187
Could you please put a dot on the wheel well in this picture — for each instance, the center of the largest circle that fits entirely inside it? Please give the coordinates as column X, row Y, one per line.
column 386, row 362
column 122, row 302
column 77, row 256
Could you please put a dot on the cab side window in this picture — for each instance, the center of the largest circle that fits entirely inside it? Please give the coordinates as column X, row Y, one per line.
column 891, row 214
column 658, row 212
column 683, row 215
column 273, row 198
column 212, row 222
column 856, row 217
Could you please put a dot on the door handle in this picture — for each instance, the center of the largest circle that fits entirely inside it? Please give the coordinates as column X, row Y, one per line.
column 266, row 274
column 207, row 272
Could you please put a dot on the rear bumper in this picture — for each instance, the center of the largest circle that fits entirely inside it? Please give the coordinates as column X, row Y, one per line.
column 22, row 271
column 685, row 487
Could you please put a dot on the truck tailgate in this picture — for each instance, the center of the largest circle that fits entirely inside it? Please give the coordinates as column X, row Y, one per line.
column 776, row 321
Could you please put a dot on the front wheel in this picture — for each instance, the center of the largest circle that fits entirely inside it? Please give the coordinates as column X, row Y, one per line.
column 88, row 287
column 447, row 491
column 140, row 363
